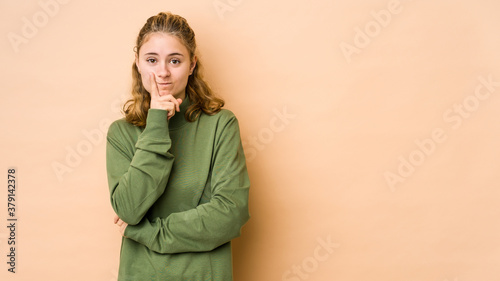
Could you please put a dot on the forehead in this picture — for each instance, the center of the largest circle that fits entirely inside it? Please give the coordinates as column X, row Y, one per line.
column 162, row 44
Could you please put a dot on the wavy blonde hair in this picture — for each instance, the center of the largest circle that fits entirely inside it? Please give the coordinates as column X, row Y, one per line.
column 201, row 96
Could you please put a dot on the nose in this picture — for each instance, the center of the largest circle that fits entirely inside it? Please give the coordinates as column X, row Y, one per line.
column 163, row 70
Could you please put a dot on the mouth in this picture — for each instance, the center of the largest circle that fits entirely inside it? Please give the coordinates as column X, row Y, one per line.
column 163, row 85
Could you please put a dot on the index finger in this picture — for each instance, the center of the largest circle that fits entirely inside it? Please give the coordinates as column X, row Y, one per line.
column 154, row 86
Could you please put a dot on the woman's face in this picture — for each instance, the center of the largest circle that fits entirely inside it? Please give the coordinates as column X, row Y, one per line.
column 168, row 59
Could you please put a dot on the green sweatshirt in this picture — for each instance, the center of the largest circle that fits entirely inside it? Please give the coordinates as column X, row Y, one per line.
column 182, row 187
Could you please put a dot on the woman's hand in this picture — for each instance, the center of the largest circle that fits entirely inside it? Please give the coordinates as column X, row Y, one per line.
column 121, row 225
column 165, row 102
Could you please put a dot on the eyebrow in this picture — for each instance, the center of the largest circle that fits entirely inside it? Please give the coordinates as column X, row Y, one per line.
column 169, row 55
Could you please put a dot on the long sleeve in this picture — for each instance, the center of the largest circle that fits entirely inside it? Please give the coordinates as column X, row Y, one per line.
column 210, row 224
column 138, row 177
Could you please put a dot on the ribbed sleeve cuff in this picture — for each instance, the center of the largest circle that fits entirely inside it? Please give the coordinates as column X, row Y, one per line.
column 155, row 137
column 141, row 232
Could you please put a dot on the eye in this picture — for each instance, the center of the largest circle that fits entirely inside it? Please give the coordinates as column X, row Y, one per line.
column 175, row 61
column 151, row 60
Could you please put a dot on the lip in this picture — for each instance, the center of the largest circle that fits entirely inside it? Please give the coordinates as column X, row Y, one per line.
column 163, row 85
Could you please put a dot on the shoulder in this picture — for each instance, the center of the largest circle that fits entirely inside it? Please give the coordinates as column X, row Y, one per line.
column 117, row 126
column 121, row 128
column 222, row 123
column 221, row 116
column 226, row 115
column 221, row 119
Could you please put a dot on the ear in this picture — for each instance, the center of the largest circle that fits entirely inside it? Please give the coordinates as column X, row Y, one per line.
column 193, row 64
column 137, row 63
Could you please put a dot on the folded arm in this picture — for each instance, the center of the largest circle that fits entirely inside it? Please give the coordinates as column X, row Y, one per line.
column 211, row 224
column 137, row 179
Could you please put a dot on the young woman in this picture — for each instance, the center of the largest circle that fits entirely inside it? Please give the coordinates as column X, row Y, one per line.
column 176, row 170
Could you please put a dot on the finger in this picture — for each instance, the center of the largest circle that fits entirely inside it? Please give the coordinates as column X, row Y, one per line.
column 171, row 112
column 179, row 101
column 122, row 229
column 154, row 87
column 176, row 104
column 115, row 219
column 174, row 101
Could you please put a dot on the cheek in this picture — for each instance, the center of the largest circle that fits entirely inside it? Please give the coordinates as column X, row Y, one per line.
column 144, row 78
column 185, row 74
column 145, row 83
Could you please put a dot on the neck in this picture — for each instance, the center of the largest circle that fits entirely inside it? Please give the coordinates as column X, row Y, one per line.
column 181, row 96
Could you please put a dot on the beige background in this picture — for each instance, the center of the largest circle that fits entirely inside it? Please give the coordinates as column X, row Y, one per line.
column 369, row 124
